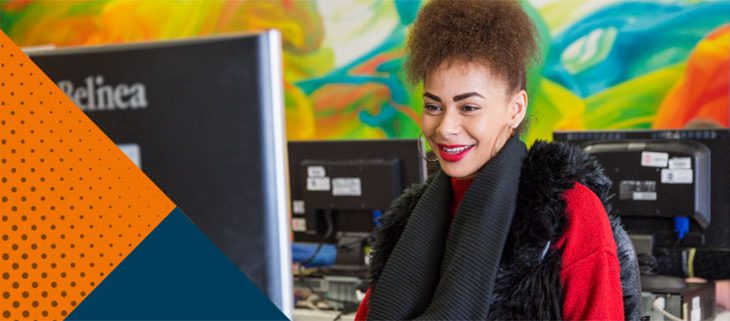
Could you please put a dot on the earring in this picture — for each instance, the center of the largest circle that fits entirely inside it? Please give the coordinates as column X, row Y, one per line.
column 420, row 149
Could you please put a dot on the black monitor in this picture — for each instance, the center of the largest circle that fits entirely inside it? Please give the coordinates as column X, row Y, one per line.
column 672, row 186
column 339, row 188
column 203, row 118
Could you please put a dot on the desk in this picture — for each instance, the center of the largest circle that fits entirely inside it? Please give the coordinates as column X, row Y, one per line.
column 721, row 315
column 315, row 315
column 322, row 315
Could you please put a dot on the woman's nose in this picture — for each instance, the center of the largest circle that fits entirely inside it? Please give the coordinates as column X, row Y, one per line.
column 450, row 125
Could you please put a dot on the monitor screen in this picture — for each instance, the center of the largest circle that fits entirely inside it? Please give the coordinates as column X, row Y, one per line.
column 203, row 118
column 353, row 181
column 664, row 179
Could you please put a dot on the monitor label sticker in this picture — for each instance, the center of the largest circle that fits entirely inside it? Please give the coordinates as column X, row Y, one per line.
column 676, row 176
column 680, row 163
column 654, row 159
column 644, row 196
column 637, row 190
column 349, row 186
column 297, row 206
column 318, row 183
column 316, row 171
column 298, row 224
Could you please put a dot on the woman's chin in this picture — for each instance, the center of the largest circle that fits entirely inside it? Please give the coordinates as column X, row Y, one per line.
column 457, row 171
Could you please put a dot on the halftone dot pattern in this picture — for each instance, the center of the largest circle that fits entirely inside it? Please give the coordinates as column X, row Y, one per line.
column 72, row 206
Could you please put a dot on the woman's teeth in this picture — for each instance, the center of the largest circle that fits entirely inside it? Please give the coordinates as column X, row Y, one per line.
column 456, row 150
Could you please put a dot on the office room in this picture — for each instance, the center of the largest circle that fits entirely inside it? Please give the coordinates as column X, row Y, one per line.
column 365, row 159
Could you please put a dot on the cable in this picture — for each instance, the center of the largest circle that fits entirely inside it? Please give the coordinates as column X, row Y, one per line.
column 330, row 229
column 659, row 304
column 328, row 233
column 691, row 262
column 681, row 226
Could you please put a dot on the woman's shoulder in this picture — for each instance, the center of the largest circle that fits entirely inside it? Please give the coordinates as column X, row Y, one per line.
column 555, row 167
column 589, row 225
column 585, row 209
column 581, row 197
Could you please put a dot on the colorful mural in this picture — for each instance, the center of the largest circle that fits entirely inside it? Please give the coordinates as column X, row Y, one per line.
column 605, row 64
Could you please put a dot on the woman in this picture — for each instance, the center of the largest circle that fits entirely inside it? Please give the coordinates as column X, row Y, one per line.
column 500, row 232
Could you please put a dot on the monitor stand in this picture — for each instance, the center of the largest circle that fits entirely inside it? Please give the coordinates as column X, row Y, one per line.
column 690, row 300
column 662, row 283
column 350, row 258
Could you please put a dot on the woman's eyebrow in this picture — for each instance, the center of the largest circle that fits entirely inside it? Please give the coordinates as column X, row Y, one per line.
column 466, row 95
column 432, row 96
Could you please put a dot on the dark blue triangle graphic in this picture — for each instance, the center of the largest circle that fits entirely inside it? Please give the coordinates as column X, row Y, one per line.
column 176, row 273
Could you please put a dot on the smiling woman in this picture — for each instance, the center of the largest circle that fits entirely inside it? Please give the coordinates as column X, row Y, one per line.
column 469, row 114
column 500, row 232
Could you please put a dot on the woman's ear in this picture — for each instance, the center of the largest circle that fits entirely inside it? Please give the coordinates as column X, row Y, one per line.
column 518, row 108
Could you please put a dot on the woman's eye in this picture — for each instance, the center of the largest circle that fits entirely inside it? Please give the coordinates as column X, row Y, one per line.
column 431, row 108
column 468, row 108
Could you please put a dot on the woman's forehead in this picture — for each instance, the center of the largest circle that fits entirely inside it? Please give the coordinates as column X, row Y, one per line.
column 461, row 76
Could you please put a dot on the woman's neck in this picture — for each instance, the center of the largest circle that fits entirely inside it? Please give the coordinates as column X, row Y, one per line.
column 459, row 187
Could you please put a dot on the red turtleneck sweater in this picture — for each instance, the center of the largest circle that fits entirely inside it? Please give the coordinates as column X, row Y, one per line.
column 590, row 272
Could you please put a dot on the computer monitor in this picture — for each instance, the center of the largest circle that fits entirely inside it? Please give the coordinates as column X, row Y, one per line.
column 203, row 118
column 670, row 185
column 339, row 188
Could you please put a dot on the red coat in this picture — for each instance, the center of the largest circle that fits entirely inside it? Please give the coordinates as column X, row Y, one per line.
column 590, row 272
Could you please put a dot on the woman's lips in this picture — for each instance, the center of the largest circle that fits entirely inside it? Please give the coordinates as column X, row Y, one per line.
column 454, row 153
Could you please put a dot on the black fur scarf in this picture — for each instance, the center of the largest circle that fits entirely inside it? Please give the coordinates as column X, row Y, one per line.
column 528, row 281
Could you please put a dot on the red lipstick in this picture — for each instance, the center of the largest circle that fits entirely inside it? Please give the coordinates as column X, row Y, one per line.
column 454, row 153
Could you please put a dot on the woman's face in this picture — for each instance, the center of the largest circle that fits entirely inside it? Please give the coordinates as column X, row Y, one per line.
column 468, row 115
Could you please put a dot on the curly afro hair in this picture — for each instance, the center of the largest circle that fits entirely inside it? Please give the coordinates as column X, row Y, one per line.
column 496, row 33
